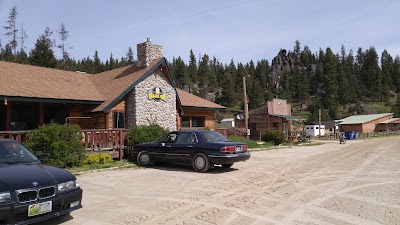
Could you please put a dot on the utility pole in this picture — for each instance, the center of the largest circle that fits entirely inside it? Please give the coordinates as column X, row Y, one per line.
column 319, row 124
column 246, row 123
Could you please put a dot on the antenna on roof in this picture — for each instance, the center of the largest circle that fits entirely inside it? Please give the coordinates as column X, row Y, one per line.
column 148, row 39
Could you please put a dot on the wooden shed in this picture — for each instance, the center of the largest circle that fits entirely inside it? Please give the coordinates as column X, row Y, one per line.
column 274, row 115
column 367, row 123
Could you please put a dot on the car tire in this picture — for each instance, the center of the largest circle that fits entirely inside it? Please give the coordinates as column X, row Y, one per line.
column 144, row 159
column 201, row 163
column 229, row 165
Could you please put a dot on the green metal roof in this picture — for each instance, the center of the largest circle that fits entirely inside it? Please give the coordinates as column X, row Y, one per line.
column 360, row 119
column 393, row 120
column 289, row 117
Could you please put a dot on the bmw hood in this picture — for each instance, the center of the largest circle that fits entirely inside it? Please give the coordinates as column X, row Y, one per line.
column 22, row 176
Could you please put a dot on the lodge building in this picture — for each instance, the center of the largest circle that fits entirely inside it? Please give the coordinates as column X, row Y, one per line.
column 139, row 94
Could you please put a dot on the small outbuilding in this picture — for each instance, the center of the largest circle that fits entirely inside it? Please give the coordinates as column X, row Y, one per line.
column 368, row 123
column 273, row 115
column 315, row 130
column 228, row 122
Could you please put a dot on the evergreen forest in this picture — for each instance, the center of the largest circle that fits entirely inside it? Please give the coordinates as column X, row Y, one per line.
column 340, row 83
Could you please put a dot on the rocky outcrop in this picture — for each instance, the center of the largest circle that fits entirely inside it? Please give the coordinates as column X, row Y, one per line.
column 282, row 63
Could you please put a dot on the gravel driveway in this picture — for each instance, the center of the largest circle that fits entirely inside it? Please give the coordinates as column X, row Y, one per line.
column 355, row 183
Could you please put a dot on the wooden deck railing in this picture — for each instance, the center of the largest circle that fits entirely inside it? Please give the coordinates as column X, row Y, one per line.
column 14, row 135
column 94, row 141
column 105, row 140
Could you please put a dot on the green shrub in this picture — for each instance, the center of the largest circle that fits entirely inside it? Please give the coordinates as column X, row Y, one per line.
column 143, row 134
column 250, row 143
column 61, row 143
column 274, row 136
column 103, row 158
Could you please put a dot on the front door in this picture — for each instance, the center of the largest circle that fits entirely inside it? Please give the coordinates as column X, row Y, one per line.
column 177, row 147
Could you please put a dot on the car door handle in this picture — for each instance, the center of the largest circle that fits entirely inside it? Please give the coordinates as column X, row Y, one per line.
column 190, row 146
column 168, row 146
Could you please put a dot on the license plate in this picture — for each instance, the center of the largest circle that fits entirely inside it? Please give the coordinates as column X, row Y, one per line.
column 73, row 204
column 39, row 208
column 238, row 148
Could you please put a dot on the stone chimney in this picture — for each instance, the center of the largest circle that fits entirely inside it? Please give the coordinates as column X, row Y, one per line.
column 147, row 52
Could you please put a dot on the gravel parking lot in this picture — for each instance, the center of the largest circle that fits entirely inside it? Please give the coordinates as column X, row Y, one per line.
column 355, row 183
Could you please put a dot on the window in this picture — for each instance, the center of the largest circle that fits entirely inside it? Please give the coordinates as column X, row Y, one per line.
column 193, row 121
column 170, row 138
column 275, row 126
column 119, row 120
column 198, row 122
column 55, row 112
column 214, row 136
column 185, row 121
column 186, row 138
column 25, row 115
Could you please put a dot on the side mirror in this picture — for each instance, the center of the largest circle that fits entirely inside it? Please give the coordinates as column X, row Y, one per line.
column 42, row 156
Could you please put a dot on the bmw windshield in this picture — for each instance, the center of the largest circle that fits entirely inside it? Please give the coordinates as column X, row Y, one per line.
column 14, row 152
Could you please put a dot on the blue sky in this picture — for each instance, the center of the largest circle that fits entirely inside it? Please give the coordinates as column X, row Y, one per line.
column 241, row 30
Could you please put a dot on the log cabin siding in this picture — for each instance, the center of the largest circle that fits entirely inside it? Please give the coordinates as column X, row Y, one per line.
column 208, row 115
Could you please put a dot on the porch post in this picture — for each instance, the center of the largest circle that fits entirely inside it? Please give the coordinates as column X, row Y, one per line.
column 8, row 116
column 107, row 123
column 41, row 113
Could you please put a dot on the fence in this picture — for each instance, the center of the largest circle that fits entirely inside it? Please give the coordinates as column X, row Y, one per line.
column 110, row 140
column 94, row 141
column 362, row 135
column 14, row 135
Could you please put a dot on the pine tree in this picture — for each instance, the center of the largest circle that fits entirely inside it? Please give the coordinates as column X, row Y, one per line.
column 330, row 84
column 343, row 82
column 11, row 29
column 228, row 95
column 396, row 109
column 64, row 35
column 255, row 93
column 371, row 75
column 192, row 70
column 7, row 54
column 203, row 75
column 42, row 54
column 97, row 66
column 396, row 74
column 129, row 56
column 112, row 63
column 23, row 38
column 261, row 73
column 22, row 57
column 179, row 72
column 387, row 69
column 212, row 76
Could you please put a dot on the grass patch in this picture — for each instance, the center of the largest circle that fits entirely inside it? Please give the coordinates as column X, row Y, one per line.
column 250, row 143
column 88, row 167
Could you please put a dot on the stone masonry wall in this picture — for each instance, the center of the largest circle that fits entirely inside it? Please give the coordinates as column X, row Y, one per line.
column 143, row 111
column 147, row 52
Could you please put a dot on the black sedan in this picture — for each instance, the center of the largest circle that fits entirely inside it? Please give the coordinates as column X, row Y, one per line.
column 31, row 192
column 200, row 148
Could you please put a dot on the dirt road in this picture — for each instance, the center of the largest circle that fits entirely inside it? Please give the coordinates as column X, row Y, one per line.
column 355, row 183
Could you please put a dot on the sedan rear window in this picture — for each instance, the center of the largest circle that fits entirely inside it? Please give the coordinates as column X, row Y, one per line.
column 214, row 136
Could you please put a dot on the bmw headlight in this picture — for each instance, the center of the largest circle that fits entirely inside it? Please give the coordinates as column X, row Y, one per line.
column 5, row 196
column 67, row 186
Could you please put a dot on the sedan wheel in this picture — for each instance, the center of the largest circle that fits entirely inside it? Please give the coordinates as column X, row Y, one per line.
column 200, row 163
column 229, row 165
column 144, row 159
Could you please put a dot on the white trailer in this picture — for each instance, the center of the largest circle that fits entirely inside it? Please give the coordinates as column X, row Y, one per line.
column 313, row 130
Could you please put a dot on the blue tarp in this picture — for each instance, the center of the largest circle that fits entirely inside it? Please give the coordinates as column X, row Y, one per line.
column 351, row 135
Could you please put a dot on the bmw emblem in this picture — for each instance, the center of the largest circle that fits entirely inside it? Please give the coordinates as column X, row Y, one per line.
column 35, row 184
